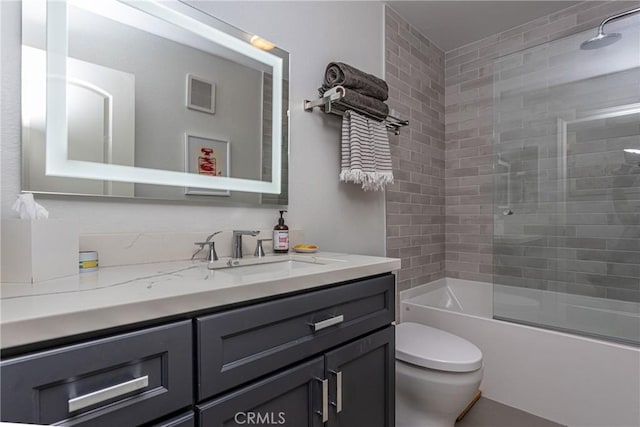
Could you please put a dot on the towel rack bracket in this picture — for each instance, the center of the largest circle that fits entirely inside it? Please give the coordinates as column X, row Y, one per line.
column 331, row 100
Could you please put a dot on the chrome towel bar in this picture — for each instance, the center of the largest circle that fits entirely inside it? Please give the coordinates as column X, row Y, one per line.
column 332, row 103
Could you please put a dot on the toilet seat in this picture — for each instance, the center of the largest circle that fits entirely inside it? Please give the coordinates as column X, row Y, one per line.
column 435, row 349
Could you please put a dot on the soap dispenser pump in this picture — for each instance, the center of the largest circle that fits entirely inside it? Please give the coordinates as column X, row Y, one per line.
column 281, row 236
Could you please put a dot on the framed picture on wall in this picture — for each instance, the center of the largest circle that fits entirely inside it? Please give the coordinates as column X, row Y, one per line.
column 206, row 156
column 201, row 94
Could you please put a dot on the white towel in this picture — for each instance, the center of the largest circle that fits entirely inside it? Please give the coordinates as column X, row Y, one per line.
column 366, row 158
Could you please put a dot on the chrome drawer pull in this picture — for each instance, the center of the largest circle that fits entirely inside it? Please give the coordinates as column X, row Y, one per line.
column 100, row 396
column 325, row 400
column 338, row 402
column 326, row 323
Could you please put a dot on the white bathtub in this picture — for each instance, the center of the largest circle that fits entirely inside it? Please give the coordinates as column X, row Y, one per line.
column 566, row 378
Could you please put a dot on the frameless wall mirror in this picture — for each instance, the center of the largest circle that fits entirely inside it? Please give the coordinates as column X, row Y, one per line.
column 151, row 99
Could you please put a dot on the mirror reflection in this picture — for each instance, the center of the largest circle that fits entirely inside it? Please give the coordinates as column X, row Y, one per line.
column 143, row 92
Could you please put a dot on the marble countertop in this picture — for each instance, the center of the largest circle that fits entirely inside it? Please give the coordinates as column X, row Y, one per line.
column 117, row 296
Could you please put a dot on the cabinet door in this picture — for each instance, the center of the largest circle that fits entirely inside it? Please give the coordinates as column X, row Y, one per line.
column 183, row 420
column 292, row 398
column 362, row 381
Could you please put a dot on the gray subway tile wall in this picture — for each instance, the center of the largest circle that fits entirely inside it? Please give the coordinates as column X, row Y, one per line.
column 556, row 157
column 469, row 92
column 586, row 242
column 415, row 202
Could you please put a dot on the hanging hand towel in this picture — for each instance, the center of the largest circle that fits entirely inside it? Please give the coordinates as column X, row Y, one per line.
column 341, row 74
column 366, row 158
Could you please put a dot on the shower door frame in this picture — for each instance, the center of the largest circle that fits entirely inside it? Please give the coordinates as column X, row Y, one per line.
column 604, row 113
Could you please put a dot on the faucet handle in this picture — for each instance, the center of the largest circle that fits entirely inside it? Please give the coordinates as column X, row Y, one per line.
column 259, row 252
column 210, row 236
column 212, row 255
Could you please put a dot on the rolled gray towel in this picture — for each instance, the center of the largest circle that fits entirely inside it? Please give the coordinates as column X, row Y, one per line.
column 341, row 74
column 366, row 104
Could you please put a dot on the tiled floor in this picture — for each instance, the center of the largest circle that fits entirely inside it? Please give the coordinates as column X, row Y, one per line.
column 489, row 413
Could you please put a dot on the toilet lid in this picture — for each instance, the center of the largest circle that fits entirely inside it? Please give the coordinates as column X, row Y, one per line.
column 435, row 349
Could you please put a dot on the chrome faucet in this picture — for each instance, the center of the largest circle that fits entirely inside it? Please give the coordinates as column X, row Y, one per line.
column 237, row 241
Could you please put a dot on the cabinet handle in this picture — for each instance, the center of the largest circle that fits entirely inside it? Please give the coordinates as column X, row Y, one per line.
column 326, row 323
column 338, row 402
column 99, row 396
column 325, row 400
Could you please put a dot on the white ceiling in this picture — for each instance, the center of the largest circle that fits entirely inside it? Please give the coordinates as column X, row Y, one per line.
column 451, row 24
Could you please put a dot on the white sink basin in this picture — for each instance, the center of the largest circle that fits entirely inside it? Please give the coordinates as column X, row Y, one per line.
column 272, row 267
column 269, row 264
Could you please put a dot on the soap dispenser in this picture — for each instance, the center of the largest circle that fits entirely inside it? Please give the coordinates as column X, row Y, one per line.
column 281, row 236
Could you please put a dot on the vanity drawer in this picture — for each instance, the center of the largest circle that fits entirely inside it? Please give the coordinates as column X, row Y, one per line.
column 239, row 345
column 123, row 380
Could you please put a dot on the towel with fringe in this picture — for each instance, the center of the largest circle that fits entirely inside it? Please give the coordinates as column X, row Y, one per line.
column 341, row 74
column 366, row 158
column 367, row 104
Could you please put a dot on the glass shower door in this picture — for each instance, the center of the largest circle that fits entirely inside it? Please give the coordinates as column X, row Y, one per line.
column 567, row 186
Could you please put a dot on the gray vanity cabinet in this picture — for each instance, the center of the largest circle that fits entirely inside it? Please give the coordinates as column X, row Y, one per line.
column 351, row 386
column 346, row 327
column 318, row 358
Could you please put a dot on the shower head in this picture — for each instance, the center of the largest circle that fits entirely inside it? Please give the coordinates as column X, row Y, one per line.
column 603, row 39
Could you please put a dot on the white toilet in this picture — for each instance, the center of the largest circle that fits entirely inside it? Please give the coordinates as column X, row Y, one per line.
column 437, row 375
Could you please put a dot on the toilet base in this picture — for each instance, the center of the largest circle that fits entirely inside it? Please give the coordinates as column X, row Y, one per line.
column 406, row 416
column 431, row 398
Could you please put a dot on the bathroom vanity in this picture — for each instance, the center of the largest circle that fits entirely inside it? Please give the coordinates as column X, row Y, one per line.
column 304, row 345
column 304, row 341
